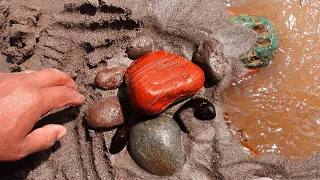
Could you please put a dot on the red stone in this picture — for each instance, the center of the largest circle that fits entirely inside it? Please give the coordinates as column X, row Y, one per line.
column 158, row 79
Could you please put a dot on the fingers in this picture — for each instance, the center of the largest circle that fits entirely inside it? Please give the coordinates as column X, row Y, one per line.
column 49, row 78
column 44, row 137
column 57, row 97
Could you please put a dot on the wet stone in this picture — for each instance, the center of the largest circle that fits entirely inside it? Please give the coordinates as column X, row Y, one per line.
column 110, row 77
column 105, row 113
column 158, row 79
column 188, row 116
column 120, row 139
column 155, row 145
column 261, row 54
column 202, row 108
column 210, row 59
column 139, row 47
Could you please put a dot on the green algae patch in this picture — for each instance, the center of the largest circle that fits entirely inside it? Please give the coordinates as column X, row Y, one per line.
column 261, row 54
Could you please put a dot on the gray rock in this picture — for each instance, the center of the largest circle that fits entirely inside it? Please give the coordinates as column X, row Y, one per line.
column 139, row 47
column 210, row 58
column 155, row 145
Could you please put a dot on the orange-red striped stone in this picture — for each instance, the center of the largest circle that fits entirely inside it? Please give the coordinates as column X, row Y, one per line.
column 158, row 79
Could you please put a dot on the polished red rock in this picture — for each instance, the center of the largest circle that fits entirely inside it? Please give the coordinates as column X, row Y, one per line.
column 158, row 79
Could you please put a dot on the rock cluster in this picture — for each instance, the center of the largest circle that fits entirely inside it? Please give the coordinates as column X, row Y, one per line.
column 154, row 81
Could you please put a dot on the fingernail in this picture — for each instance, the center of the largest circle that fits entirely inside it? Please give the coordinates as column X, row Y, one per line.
column 61, row 134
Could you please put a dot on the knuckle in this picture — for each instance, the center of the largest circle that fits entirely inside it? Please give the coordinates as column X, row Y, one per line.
column 38, row 96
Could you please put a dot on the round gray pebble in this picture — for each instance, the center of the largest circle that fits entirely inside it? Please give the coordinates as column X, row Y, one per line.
column 155, row 145
column 139, row 47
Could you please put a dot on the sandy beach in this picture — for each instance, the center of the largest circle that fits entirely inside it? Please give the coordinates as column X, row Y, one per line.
column 82, row 37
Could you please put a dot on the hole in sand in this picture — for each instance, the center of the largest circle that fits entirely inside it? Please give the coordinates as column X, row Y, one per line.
column 87, row 9
column 88, row 47
column 111, row 9
column 123, row 24
column 37, row 17
column 17, row 42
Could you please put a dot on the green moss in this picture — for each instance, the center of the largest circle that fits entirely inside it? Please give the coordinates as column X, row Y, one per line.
column 261, row 54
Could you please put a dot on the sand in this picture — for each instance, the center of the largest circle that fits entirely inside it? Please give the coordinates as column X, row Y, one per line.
column 81, row 39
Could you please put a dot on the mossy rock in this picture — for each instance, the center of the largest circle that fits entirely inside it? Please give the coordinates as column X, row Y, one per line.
column 261, row 54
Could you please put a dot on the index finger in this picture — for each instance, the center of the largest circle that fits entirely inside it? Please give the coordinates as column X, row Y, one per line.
column 57, row 97
column 49, row 78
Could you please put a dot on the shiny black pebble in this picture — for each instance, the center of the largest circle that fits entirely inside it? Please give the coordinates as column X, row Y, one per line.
column 202, row 108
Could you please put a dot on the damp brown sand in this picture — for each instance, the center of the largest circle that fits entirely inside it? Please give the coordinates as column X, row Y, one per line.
column 82, row 40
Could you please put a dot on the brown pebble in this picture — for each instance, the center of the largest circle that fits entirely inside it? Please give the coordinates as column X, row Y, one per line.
column 105, row 113
column 110, row 78
column 139, row 47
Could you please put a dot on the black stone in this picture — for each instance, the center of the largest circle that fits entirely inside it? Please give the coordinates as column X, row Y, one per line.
column 120, row 139
column 202, row 109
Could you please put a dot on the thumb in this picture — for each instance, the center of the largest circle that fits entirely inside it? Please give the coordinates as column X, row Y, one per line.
column 44, row 137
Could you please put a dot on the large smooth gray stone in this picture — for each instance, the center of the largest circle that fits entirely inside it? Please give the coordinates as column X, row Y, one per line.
column 155, row 145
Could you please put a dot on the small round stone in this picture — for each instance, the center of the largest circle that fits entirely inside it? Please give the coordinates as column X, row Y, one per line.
column 139, row 47
column 105, row 113
column 202, row 109
column 155, row 145
column 110, row 77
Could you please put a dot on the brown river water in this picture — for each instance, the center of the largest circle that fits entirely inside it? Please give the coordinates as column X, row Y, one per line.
column 278, row 108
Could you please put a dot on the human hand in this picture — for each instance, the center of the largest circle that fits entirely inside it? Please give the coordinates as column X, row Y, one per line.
column 24, row 98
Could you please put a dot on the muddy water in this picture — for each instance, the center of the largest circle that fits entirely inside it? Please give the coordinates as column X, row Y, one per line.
column 278, row 108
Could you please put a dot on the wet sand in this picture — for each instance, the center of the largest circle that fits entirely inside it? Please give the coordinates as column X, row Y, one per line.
column 81, row 39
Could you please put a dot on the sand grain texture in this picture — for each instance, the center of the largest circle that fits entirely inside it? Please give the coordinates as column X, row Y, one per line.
column 81, row 39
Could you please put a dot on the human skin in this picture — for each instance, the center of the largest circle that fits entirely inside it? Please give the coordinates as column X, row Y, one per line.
column 24, row 98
